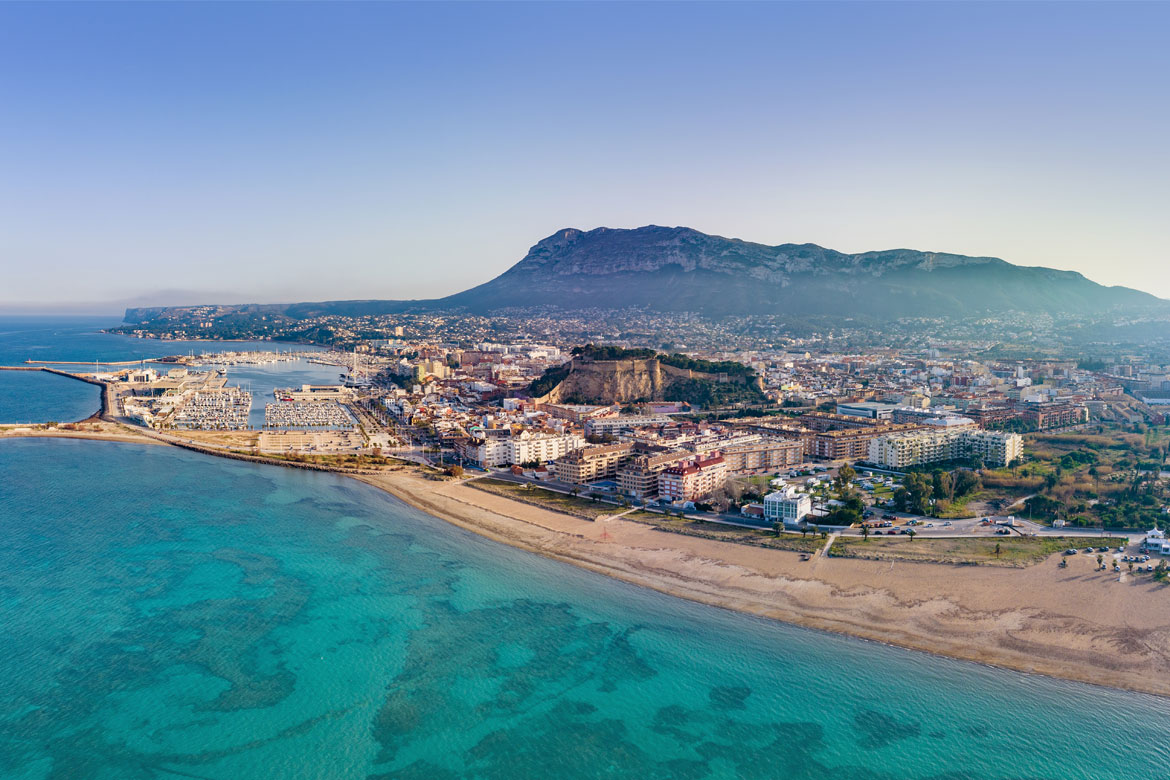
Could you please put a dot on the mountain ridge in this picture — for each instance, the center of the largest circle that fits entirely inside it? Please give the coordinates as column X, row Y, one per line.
column 681, row 269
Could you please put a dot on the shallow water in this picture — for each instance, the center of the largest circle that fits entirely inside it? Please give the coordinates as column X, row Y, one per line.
column 37, row 397
column 166, row 614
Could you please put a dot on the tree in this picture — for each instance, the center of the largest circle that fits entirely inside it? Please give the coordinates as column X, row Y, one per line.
column 943, row 484
column 845, row 477
column 921, row 490
column 997, row 550
column 778, row 527
column 967, row 482
column 911, row 533
column 864, row 532
column 902, row 499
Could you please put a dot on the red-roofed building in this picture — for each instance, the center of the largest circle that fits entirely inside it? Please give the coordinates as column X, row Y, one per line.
column 692, row 480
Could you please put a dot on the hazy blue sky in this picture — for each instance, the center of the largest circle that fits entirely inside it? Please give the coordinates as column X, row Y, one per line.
column 273, row 152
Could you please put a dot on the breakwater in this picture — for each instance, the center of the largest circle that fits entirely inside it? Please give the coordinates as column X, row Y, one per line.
column 68, row 410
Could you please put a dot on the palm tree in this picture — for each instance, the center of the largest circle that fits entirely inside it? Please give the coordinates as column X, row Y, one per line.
column 778, row 526
column 911, row 533
column 864, row 532
column 1100, row 561
column 997, row 550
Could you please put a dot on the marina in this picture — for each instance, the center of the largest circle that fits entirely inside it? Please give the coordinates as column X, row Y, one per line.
column 225, row 409
column 248, row 358
column 307, row 414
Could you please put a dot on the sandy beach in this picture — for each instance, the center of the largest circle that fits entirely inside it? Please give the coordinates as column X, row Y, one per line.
column 90, row 429
column 1073, row 623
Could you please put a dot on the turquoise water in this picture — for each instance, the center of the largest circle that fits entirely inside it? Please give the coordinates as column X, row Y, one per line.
column 165, row 614
column 36, row 396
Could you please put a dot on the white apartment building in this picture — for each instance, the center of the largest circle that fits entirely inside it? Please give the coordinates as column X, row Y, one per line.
column 915, row 448
column 541, row 447
column 787, row 506
column 525, row 447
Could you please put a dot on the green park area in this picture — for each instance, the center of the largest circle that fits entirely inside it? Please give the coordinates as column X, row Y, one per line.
column 992, row 551
column 727, row 533
column 577, row 506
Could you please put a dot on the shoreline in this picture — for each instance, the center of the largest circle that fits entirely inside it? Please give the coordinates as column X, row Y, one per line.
column 969, row 613
column 1074, row 624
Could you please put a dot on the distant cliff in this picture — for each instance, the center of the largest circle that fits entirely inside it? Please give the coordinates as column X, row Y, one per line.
column 612, row 376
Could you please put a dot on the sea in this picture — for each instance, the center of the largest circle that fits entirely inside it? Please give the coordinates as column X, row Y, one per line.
column 165, row 614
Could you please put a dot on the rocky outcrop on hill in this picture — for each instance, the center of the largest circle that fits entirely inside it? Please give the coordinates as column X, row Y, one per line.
column 632, row 380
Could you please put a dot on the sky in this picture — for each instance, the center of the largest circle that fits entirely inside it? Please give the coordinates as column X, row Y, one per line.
column 229, row 152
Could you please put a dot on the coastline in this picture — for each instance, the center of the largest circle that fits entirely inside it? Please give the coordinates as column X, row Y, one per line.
column 104, row 432
column 1074, row 624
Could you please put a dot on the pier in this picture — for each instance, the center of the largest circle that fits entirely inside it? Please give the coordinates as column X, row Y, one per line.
column 98, row 362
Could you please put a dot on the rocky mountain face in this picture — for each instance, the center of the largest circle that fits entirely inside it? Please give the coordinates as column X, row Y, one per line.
column 606, row 251
column 682, row 270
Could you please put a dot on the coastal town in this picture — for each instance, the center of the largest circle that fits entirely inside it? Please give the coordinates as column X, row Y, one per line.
column 768, row 439
column 585, row 391
column 782, row 469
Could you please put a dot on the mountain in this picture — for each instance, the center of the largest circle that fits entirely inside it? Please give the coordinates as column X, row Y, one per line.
column 682, row 270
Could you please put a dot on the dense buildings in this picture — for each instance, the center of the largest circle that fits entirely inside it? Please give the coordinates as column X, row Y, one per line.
column 764, row 454
column 638, row 478
column 524, row 447
column 916, row 448
column 589, row 464
column 692, row 480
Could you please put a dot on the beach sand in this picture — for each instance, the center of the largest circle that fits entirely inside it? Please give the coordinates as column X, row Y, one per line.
column 96, row 430
column 1073, row 623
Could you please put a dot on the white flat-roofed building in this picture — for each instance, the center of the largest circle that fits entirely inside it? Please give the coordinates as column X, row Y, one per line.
column 787, row 506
